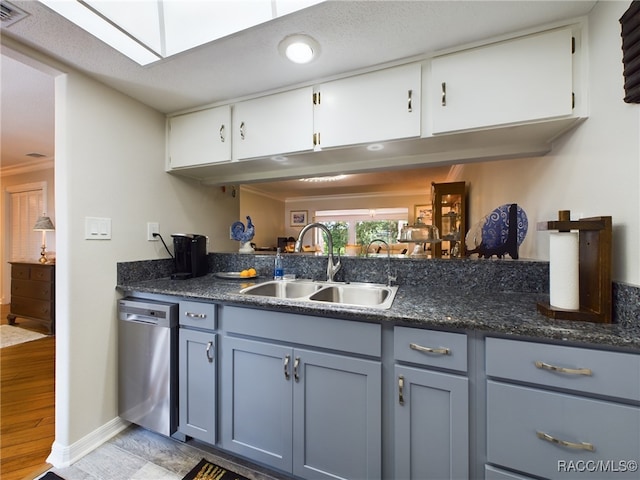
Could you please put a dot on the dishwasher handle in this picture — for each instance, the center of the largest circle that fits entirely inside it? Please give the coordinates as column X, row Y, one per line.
column 134, row 317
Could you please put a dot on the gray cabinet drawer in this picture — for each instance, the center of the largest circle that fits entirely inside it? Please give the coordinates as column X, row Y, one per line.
column 198, row 315
column 431, row 348
column 612, row 374
column 492, row 473
column 360, row 338
column 516, row 414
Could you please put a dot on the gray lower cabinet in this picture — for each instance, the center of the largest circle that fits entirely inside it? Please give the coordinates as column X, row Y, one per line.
column 197, row 384
column 431, row 425
column 197, row 370
column 562, row 412
column 311, row 413
column 431, row 412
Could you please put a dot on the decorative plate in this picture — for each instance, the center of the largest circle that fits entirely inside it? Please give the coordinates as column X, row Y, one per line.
column 234, row 275
column 495, row 226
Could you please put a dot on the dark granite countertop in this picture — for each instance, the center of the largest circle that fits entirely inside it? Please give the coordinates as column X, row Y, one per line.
column 502, row 313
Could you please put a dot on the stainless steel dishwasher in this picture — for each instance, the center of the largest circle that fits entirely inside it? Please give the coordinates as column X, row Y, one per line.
column 147, row 364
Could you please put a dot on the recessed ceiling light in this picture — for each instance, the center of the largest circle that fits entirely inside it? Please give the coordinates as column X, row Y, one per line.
column 374, row 147
column 299, row 48
column 333, row 178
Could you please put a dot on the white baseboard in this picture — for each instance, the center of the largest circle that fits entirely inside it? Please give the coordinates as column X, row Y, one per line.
column 62, row 456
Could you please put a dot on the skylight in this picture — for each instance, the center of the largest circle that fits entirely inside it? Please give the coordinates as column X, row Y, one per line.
column 149, row 30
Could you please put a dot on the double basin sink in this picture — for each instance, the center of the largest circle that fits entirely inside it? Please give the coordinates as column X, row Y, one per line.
column 370, row 295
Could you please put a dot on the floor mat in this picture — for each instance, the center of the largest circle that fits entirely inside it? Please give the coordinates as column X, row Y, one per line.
column 206, row 470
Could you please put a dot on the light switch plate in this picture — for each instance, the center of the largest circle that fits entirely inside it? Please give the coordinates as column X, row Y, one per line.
column 96, row 228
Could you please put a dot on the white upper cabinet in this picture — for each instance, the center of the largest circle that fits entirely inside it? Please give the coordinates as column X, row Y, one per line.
column 521, row 80
column 373, row 107
column 273, row 125
column 200, row 138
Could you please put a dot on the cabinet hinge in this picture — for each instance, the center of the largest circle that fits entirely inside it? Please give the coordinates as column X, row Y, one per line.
column 573, row 45
column 316, row 98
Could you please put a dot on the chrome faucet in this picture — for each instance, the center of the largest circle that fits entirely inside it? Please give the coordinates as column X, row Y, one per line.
column 332, row 267
column 390, row 278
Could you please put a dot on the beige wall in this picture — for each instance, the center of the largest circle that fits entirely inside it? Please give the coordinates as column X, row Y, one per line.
column 266, row 214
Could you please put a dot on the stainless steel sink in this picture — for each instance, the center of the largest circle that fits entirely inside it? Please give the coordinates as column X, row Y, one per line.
column 370, row 295
column 283, row 289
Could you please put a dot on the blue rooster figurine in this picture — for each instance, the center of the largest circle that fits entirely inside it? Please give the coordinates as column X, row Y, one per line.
column 244, row 236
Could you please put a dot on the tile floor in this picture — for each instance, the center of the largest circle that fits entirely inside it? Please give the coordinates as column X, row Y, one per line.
column 138, row 454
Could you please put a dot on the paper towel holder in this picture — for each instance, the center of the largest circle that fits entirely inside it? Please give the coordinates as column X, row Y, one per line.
column 595, row 240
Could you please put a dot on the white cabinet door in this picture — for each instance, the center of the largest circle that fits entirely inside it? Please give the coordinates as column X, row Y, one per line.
column 273, row 125
column 372, row 107
column 521, row 80
column 200, row 138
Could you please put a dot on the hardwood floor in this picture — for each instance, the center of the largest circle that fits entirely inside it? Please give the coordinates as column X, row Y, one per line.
column 27, row 404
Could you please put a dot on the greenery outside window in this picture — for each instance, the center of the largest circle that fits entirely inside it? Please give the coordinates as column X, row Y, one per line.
column 359, row 226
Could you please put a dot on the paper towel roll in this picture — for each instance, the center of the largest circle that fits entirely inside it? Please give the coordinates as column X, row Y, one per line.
column 564, row 281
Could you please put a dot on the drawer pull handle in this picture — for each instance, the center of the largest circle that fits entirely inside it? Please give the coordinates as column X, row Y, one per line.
column 287, row 359
column 564, row 443
column 437, row 351
column 444, row 94
column 410, row 101
column 570, row 371
column 222, row 136
column 401, row 389
column 296, row 364
column 208, row 352
column 195, row 315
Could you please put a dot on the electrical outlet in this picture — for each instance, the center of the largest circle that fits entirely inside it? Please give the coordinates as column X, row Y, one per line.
column 152, row 227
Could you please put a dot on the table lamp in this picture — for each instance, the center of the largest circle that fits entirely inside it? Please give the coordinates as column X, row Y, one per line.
column 44, row 225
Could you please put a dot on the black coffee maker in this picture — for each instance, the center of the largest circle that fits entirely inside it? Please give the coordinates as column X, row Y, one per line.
column 190, row 255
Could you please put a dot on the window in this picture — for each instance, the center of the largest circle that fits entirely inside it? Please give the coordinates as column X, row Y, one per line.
column 26, row 204
column 360, row 226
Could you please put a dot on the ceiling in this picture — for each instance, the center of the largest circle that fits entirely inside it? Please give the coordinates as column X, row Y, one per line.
column 353, row 35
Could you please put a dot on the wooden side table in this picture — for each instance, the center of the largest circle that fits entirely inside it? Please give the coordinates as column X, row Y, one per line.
column 33, row 293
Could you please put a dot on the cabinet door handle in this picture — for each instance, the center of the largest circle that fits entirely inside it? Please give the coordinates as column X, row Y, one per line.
column 564, row 443
column 195, row 315
column 409, row 101
column 444, row 94
column 242, row 130
column 401, row 389
column 287, row 359
column 208, row 352
column 296, row 364
column 436, row 351
column 222, row 133
column 570, row 371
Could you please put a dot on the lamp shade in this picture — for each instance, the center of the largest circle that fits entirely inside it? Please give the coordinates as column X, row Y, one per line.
column 44, row 224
